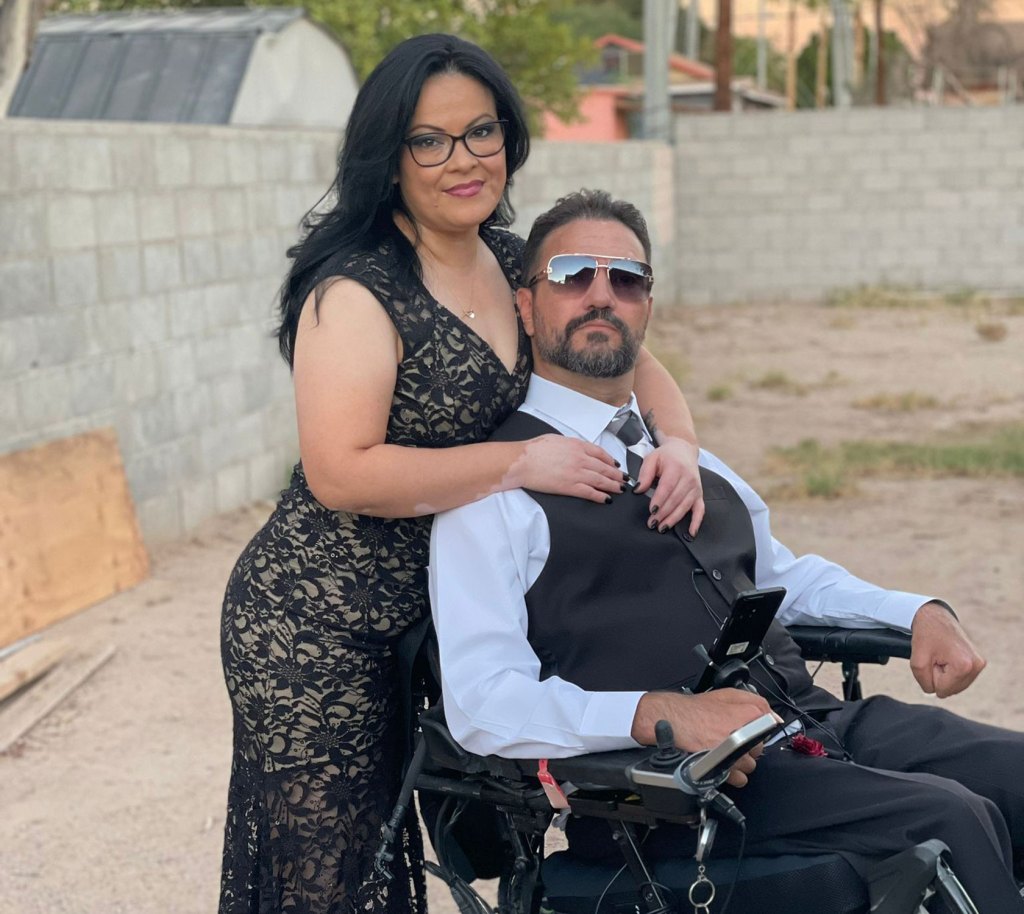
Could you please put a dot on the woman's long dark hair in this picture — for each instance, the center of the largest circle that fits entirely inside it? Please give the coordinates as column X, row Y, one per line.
column 365, row 194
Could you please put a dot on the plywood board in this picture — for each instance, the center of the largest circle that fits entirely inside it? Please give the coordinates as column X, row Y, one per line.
column 68, row 532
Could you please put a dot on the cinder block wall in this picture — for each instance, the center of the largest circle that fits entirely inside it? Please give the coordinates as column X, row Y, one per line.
column 138, row 267
column 791, row 206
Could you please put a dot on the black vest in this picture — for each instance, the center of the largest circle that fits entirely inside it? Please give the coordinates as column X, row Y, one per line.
column 619, row 607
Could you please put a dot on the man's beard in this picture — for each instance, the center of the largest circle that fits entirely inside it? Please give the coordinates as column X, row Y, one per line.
column 604, row 363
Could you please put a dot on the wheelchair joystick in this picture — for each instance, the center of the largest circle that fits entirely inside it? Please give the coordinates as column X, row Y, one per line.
column 667, row 756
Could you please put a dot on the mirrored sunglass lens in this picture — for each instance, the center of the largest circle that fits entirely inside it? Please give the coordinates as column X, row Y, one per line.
column 571, row 271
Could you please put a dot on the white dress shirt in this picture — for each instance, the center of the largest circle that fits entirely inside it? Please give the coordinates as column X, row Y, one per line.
column 486, row 555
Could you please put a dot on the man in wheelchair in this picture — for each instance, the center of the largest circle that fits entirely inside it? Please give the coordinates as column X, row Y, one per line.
column 568, row 627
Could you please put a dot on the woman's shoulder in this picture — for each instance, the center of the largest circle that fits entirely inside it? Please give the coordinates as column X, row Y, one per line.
column 506, row 245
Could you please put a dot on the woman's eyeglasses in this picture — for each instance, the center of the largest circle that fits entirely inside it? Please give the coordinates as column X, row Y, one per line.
column 431, row 149
column 573, row 274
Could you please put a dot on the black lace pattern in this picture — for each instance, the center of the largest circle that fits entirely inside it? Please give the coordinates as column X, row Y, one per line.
column 310, row 610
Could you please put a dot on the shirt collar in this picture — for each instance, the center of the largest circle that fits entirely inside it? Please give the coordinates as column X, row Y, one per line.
column 586, row 416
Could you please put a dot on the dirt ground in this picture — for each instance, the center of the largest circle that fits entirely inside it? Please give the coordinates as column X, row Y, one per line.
column 115, row 802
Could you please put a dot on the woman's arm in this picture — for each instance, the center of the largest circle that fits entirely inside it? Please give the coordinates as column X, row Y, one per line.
column 346, row 366
column 673, row 465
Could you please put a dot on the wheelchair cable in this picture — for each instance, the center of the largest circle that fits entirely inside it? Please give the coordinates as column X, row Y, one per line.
column 781, row 697
column 611, row 882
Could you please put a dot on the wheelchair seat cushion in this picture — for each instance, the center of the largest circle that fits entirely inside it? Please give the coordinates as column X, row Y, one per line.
column 788, row 884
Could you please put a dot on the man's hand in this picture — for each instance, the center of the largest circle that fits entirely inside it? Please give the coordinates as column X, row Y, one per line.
column 702, row 721
column 942, row 658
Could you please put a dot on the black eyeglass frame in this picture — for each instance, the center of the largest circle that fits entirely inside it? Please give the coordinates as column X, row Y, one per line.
column 408, row 141
column 646, row 271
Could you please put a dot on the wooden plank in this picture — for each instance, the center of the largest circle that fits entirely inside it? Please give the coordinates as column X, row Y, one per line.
column 68, row 532
column 29, row 664
column 23, row 712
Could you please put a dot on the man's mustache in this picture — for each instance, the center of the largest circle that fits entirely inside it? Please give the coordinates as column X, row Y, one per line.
column 597, row 314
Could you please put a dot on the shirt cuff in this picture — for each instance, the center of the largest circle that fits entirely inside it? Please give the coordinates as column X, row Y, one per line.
column 899, row 609
column 609, row 716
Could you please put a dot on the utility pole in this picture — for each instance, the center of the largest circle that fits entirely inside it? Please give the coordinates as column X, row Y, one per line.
column 879, row 56
column 840, row 55
column 791, row 56
column 693, row 30
column 821, row 70
column 723, row 57
column 657, row 43
column 762, row 49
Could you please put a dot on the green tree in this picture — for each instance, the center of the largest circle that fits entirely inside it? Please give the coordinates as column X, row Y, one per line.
column 540, row 52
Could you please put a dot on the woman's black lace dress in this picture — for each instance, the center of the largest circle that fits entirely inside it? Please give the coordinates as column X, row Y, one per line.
column 311, row 608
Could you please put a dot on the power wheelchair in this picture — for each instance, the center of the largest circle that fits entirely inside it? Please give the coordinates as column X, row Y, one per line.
column 488, row 816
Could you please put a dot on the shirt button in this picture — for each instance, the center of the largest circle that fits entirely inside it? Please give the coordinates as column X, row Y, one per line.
column 716, row 574
column 687, row 537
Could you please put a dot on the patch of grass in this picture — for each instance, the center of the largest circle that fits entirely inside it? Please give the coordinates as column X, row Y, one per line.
column 907, row 402
column 991, row 331
column 778, row 381
column 993, row 452
column 874, row 297
column 719, row 392
column 675, row 364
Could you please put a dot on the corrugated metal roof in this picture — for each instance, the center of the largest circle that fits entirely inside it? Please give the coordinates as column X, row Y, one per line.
column 143, row 66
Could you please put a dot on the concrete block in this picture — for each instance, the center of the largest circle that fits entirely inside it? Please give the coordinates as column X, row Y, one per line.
column 223, row 304
column 200, row 263
column 232, row 487
column 120, row 273
column 90, row 164
column 209, row 162
column 75, row 278
column 193, row 408
column 19, row 347
column 149, row 323
column 195, row 213
column 23, row 226
column 159, row 517
column 44, row 397
column 262, row 207
column 234, row 256
column 93, row 386
column 214, row 356
column 153, row 421
column 62, row 337
column 10, row 416
column 302, row 162
column 273, row 159
column 71, row 222
column 230, row 211
column 26, row 287
column 116, row 219
column 243, row 163
column 133, row 161
column 137, row 376
column 40, row 161
column 278, row 422
column 177, row 366
column 161, row 267
column 157, row 217
column 7, row 179
column 291, row 205
column 268, row 475
column 172, row 161
column 198, row 502
column 227, row 393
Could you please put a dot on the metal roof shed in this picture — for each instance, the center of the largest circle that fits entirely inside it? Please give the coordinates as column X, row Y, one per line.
column 257, row 67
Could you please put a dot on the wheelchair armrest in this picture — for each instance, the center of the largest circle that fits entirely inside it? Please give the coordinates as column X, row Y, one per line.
column 850, row 645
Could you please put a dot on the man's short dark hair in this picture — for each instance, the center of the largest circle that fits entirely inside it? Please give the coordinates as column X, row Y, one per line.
column 596, row 205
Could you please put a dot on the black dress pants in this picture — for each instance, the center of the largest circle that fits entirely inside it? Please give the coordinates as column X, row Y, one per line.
column 917, row 773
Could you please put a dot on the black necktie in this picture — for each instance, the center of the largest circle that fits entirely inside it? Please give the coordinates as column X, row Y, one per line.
column 628, row 428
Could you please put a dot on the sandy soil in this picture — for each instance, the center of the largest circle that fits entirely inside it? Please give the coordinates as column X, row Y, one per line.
column 115, row 802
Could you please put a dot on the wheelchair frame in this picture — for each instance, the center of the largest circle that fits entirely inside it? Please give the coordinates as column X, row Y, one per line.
column 606, row 789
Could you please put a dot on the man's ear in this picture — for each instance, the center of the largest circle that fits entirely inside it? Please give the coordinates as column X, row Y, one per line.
column 524, row 302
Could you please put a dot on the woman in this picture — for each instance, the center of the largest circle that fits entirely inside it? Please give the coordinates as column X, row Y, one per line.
column 398, row 321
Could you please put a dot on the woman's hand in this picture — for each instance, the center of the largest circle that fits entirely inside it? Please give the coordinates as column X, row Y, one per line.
column 673, row 466
column 560, row 465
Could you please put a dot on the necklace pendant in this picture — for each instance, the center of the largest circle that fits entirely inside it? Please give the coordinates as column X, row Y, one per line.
column 471, row 314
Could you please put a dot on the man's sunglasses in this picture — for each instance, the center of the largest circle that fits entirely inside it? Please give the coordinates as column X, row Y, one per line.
column 573, row 274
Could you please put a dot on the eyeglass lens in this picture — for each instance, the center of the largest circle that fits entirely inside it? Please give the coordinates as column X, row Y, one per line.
column 436, row 148
column 630, row 280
